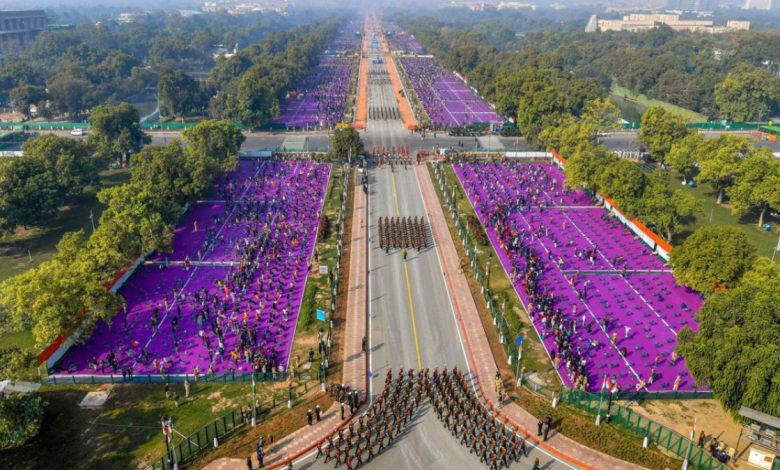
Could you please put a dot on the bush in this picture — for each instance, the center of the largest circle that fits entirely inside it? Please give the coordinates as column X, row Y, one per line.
column 325, row 228
column 20, row 419
column 16, row 364
column 476, row 229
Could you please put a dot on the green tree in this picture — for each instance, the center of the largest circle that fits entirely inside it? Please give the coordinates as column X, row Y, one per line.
column 164, row 170
column 736, row 352
column 345, row 143
column 601, row 113
column 68, row 94
column 713, row 257
column 660, row 129
column 180, row 95
column 25, row 96
column 30, row 194
column 218, row 140
column 682, row 156
column 719, row 161
column 756, row 185
column 50, row 299
column 746, row 94
column 69, row 159
column 116, row 131
column 541, row 105
column 665, row 210
column 584, row 167
column 17, row 364
column 136, row 220
column 255, row 100
column 20, row 419
column 623, row 181
column 568, row 137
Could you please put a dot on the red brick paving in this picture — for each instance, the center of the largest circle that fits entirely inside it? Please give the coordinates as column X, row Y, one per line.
column 480, row 357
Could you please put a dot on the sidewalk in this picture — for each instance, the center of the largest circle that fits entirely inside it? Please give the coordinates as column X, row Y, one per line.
column 305, row 440
column 480, row 357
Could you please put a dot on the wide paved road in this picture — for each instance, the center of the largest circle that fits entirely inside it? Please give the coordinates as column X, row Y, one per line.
column 412, row 323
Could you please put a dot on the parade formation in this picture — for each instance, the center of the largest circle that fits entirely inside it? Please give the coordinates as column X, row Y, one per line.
column 410, row 394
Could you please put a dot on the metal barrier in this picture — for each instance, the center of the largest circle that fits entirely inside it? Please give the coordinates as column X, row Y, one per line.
column 210, row 435
column 661, row 436
column 270, row 376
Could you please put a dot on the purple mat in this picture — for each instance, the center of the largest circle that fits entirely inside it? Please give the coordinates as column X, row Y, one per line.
column 603, row 304
column 447, row 100
column 232, row 316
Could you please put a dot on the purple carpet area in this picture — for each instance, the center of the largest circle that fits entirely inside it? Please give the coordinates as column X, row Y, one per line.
column 238, row 310
column 447, row 100
column 320, row 100
column 605, row 307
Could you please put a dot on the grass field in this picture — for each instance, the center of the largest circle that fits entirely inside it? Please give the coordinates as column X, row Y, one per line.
column 716, row 214
column 645, row 101
column 125, row 432
column 26, row 248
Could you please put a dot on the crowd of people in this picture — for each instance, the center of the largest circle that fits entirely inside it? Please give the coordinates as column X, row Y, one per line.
column 205, row 318
column 604, row 322
column 447, row 100
column 320, row 100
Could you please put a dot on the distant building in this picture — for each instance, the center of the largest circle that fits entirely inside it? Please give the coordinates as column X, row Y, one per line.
column 18, row 29
column 641, row 22
column 515, row 6
column 127, row 18
column 759, row 4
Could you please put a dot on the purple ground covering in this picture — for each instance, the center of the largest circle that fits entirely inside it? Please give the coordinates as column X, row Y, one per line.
column 321, row 98
column 446, row 99
column 224, row 317
column 584, row 278
column 399, row 40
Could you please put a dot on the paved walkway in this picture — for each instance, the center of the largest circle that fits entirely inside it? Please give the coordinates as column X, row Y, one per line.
column 304, row 440
column 480, row 357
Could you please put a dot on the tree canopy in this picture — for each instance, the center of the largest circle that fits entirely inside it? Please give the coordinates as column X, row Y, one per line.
column 660, row 130
column 345, row 143
column 713, row 257
column 736, row 352
column 68, row 292
column 116, row 131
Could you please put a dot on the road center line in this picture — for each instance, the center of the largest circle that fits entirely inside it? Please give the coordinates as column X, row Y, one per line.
column 408, row 286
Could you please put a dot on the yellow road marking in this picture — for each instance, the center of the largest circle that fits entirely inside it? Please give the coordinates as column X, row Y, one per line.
column 408, row 288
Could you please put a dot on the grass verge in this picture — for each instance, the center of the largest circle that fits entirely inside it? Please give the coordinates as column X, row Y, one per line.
column 687, row 114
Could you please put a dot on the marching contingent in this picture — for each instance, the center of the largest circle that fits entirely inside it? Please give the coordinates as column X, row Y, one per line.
column 402, row 400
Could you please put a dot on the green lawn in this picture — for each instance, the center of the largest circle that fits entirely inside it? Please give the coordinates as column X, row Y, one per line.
column 645, row 101
column 715, row 214
column 125, row 433
column 27, row 248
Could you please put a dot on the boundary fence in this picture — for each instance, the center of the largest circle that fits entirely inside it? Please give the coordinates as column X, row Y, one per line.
column 620, row 415
column 211, row 434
